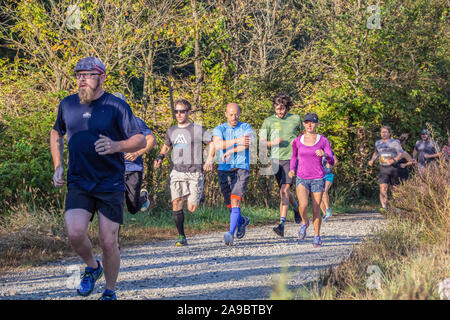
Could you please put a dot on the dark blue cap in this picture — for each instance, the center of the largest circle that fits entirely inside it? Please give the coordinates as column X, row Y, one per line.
column 311, row 117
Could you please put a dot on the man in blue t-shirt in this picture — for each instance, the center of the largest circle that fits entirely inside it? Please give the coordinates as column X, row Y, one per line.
column 232, row 140
column 100, row 128
column 136, row 197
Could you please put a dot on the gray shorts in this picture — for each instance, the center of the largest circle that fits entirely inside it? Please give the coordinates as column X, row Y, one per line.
column 233, row 182
column 312, row 185
column 188, row 184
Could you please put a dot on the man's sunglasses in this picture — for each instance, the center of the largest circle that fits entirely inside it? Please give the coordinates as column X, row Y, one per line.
column 181, row 111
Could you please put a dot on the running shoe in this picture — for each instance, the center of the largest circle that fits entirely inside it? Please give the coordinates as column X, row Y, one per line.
column 146, row 204
column 279, row 230
column 327, row 214
column 302, row 231
column 88, row 279
column 297, row 217
column 317, row 242
column 228, row 237
column 181, row 241
column 108, row 295
column 241, row 229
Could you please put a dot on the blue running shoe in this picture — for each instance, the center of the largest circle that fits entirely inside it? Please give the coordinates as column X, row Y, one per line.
column 108, row 295
column 88, row 279
column 317, row 242
column 146, row 204
column 228, row 237
column 327, row 215
column 302, row 231
column 241, row 229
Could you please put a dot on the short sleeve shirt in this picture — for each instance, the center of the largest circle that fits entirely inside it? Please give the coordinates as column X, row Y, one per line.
column 83, row 123
column 427, row 147
column 187, row 142
column 138, row 164
column 287, row 128
column 239, row 160
column 388, row 150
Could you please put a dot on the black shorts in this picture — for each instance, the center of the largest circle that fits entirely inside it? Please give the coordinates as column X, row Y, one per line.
column 280, row 168
column 110, row 204
column 233, row 182
column 133, row 197
column 389, row 175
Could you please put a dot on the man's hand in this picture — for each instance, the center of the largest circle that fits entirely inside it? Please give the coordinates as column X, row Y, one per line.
column 226, row 156
column 132, row 156
column 390, row 162
column 58, row 177
column 105, row 145
column 275, row 142
column 243, row 141
column 208, row 165
column 370, row 163
column 159, row 159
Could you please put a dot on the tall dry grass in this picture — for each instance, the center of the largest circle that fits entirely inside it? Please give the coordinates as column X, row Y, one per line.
column 411, row 252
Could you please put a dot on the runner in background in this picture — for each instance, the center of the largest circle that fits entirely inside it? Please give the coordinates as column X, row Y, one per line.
column 232, row 141
column 186, row 177
column 404, row 162
column 329, row 177
column 307, row 151
column 426, row 150
column 389, row 151
column 136, row 197
column 277, row 133
column 446, row 149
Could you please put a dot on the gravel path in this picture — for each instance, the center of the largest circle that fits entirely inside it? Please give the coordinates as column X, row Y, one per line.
column 206, row 268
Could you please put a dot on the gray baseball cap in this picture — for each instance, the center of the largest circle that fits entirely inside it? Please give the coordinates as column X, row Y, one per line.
column 89, row 64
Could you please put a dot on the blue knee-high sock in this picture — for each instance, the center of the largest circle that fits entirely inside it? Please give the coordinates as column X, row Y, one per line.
column 235, row 219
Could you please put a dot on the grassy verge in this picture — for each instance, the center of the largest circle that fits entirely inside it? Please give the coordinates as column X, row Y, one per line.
column 29, row 236
column 406, row 260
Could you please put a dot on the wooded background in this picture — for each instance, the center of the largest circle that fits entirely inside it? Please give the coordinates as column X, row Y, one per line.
column 357, row 64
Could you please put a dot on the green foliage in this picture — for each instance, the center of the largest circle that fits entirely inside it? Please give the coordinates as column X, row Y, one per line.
column 356, row 79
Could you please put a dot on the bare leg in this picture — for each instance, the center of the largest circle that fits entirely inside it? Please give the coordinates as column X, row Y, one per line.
column 284, row 203
column 77, row 223
column 316, row 198
column 383, row 194
column 108, row 235
column 302, row 195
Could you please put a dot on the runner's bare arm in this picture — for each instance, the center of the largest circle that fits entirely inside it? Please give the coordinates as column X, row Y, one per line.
column 221, row 144
column 164, row 150
column 57, row 151
column 374, row 156
column 151, row 142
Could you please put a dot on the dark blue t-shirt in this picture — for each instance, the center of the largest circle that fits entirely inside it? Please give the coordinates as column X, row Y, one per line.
column 138, row 164
column 83, row 123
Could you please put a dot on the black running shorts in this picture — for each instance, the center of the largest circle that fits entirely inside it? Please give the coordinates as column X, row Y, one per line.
column 281, row 170
column 110, row 204
column 389, row 175
column 233, row 182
